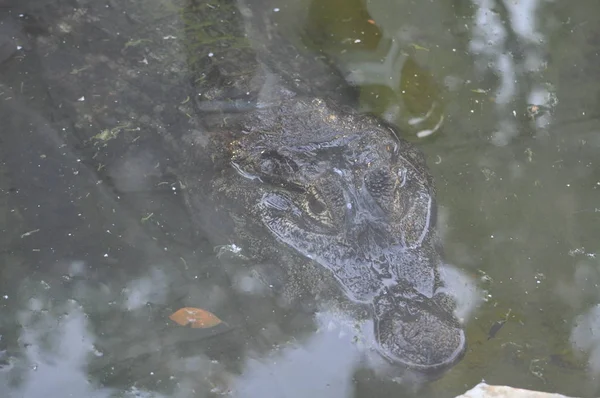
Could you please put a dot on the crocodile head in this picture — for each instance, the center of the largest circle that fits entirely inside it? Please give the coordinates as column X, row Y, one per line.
column 345, row 192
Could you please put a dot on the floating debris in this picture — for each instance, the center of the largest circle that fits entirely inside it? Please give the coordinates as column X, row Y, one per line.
column 498, row 325
column 418, row 47
column 29, row 233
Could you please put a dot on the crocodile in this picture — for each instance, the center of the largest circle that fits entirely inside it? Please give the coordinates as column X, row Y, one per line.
column 288, row 169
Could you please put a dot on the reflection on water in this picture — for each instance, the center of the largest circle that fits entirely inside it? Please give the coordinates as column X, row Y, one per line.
column 97, row 249
column 328, row 359
column 56, row 346
column 516, row 52
column 584, row 337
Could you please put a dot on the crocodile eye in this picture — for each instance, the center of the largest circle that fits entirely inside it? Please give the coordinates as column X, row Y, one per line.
column 316, row 206
column 275, row 164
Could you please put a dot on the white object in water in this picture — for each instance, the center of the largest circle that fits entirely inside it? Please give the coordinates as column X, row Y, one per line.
column 483, row 390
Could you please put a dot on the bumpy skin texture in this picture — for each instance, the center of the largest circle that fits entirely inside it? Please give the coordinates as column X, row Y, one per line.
column 302, row 175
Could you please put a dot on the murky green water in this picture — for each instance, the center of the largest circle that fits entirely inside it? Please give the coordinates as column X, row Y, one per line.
column 97, row 250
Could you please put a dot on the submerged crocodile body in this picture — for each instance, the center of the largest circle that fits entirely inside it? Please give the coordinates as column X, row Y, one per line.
column 287, row 169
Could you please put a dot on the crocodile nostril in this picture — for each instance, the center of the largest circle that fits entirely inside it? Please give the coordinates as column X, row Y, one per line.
column 378, row 181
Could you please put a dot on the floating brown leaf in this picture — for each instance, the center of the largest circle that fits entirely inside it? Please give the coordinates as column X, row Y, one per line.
column 197, row 317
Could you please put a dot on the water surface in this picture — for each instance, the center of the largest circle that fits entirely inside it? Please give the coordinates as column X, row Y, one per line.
column 97, row 250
